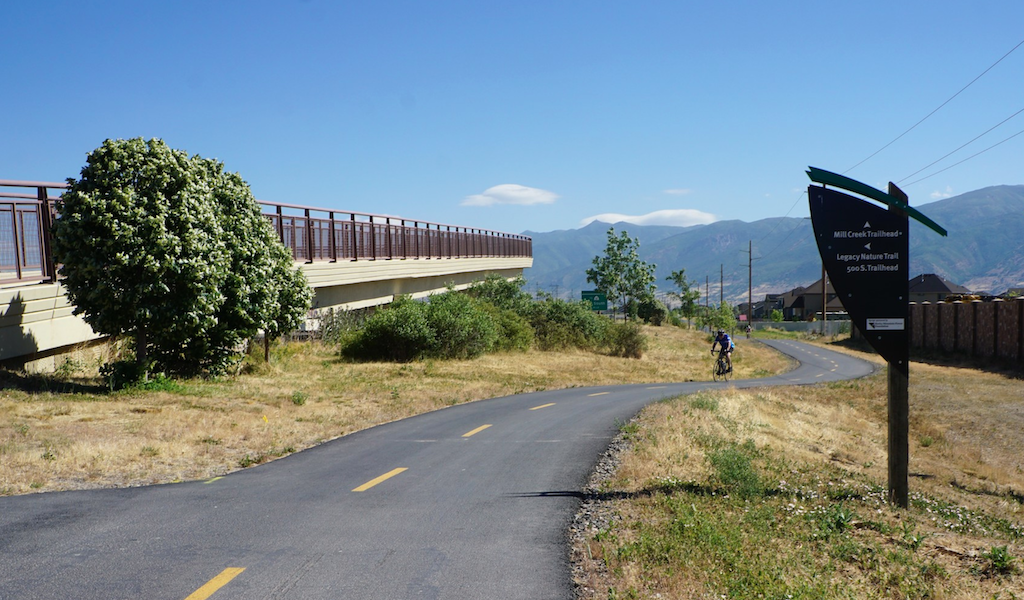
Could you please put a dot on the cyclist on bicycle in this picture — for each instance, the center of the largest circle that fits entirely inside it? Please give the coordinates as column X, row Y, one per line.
column 725, row 347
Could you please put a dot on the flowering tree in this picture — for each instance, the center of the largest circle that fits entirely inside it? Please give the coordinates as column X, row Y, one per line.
column 172, row 251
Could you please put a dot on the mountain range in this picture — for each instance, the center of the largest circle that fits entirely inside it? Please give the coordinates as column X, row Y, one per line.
column 983, row 252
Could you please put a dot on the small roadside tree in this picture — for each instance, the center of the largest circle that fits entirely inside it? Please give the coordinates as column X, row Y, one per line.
column 688, row 296
column 620, row 273
column 172, row 251
column 713, row 318
column 723, row 318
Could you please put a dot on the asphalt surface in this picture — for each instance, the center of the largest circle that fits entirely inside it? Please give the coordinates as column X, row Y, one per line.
column 445, row 508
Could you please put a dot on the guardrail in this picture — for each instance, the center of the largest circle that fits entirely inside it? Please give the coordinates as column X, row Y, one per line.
column 312, row 234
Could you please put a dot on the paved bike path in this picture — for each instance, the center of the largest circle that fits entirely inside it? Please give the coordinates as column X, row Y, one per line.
column 472, row 501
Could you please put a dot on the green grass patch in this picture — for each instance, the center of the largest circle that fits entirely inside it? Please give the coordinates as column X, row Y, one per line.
column 760, row 526
column 702, row 401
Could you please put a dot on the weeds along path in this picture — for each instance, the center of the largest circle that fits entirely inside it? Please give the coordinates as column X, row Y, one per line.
column 468, row 502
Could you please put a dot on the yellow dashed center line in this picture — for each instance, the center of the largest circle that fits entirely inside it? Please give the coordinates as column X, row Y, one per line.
column 475, row 431
column 381, row 479
column 215, row 584
column 543, row 406
column 212, row 480
column 597, row 394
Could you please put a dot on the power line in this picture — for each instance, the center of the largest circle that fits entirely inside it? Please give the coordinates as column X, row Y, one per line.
column 966, row 159
column 936, row 110
column 783, row 218
column 779, row 245
column 961, row 147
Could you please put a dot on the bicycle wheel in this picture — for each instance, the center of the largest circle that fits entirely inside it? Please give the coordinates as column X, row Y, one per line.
column 717, row 371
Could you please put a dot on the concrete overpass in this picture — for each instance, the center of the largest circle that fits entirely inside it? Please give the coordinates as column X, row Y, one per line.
column 351, row 260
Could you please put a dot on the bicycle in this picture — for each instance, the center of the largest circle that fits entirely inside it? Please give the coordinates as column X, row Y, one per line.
column 720, row 371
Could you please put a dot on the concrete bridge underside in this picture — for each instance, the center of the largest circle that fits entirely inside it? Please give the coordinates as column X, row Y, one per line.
column 37, row 321
column 359, row 284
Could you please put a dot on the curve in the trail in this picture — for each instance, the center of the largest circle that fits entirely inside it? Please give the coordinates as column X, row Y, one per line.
column 468, row 502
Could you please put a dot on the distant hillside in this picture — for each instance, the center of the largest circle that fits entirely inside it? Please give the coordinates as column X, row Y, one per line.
column 561, row 258
column 983, row 252
column 985, row 247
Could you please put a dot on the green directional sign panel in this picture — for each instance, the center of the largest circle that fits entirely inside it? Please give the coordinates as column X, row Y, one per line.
column 597, row 300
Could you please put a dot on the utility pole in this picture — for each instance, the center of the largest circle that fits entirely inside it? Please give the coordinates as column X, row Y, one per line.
column 707, row 298
column 824, row 298
column 750, row 281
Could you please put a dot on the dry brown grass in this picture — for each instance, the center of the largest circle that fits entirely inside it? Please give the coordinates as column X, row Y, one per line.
column 816, row 445
column 54, row 440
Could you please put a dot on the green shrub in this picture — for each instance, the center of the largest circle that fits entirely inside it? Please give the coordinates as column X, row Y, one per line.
column 398, row 332
column 653, row 311
column 504, row 293
column 734, row 470
column 627, row 340
column 122, row 373
column 559, row 324
column 458, row 325
column 514, row 331
column 340, row 326
column 461, row 328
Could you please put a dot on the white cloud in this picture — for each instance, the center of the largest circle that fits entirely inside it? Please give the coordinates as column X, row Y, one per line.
column 678, row 192
column 510, row 193
column 937, row 195
column 679, row 217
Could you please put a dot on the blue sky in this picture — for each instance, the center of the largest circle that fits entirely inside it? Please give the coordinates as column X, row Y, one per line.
column 523, row 115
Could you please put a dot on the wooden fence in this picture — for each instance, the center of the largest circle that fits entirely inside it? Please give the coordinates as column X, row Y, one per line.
column 977, row 329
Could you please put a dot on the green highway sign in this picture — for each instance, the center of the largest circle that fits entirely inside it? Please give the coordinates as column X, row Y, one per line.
column 597, row 300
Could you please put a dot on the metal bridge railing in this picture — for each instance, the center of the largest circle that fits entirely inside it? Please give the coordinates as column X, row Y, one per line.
column 312, row 234
column 320, row 234
column 25, row 219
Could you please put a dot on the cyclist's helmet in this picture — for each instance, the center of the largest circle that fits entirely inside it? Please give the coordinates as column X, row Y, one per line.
column 721, row 331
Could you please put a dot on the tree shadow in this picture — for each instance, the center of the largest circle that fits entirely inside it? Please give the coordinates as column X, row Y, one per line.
column 39, row 383
column 668, row 489
column 13, row 337
column 22, row 344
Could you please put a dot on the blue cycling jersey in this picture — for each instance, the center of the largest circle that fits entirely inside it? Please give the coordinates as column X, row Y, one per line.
column 725, row 341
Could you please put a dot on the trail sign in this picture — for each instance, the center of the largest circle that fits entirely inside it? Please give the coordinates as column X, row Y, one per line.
column 865, row 251
column 597, row 300
column 864, row 248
